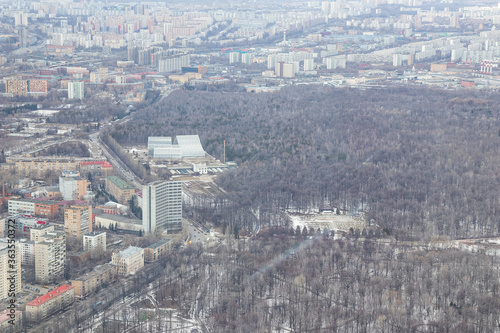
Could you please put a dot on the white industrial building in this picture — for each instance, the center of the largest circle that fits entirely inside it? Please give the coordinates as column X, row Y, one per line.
column 181, row 147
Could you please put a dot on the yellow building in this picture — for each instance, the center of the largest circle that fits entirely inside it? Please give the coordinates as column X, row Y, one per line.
column 77, row 221
column 90, row 282
column 119, row 188
column 38, row 166
column 157, row 250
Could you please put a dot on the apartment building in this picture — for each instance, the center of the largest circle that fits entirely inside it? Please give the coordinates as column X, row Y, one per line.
column 50, row 257
column 94, row 240
column 93, row 281
column 100, row 167
column 38, row 166
column 119, row 188
column 6, row 321
column 42, row 230
column 72, row 186
column 76, row 90
column 27, row 249
column 162, row 206
column 23, row 224
column 49, row 303
column 128, row 261
column 157, row 250
column 9, row 268
column 78, row 221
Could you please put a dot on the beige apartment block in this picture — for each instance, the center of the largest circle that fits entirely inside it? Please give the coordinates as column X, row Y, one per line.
column 129, row 260
column 77, row 221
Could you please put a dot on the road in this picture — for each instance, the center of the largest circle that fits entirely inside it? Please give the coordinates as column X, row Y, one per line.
column 112, row 158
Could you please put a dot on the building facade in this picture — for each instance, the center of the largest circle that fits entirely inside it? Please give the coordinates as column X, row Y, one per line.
column 128, row 261
column 72, row 186
column 94, row 240
column 6, row 319
column 50, row 257
column 157, row 250
column 119, row 188
column 162, row 206
column 49, row 303
column 76, row 90
column 90, row 282
column 10, row 265
column 77, row 221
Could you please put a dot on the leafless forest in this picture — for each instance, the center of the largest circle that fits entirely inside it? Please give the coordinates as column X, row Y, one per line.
column 420, row 162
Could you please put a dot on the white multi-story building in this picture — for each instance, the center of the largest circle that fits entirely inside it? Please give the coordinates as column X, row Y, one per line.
column 308, row 65
column 94, row 240
column 76, row 90
column 20, row 206
column 246, row 58
column 27, row 249
column 234, row 57
column 162, row 206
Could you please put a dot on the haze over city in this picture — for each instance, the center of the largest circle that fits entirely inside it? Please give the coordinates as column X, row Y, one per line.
column 250, row 166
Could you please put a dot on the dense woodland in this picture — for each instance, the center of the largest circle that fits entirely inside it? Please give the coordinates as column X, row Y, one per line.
column 283, row 282
column 421, row 162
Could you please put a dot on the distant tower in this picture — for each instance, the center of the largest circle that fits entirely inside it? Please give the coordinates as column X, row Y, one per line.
column 284, row 36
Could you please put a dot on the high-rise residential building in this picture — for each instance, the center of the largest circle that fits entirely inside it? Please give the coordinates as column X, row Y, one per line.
column 72, row 186
column 162, row 206
column 76, row 90
column 120, row 189
column 129, row 260
column 308, row 65
column 397, row 60
column 9, row 267
column 21, row 19
column 234, row 57
column 77, row 221
column 27, row 249
column 246, row 58
column 35, row 234
column 288, row 70
column 50, row 257
column 51, row 302
column 94, row 240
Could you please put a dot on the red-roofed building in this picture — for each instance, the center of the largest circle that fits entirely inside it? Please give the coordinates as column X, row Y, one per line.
column 103, row 167
column 49, row 303
column 11, row 321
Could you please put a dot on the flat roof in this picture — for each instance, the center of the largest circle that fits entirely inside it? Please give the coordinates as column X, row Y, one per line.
column 161, row 242
column 129, row 251
column 50, row 295
column 123, row 185
column 118, row 218
column 45, row 202
column 4, row 315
